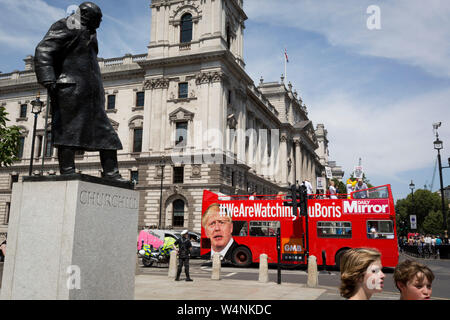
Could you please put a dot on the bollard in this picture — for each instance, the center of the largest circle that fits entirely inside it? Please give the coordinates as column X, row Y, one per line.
column 216, row 266
column 173, row 264
column 263, row 268
column 313, row 278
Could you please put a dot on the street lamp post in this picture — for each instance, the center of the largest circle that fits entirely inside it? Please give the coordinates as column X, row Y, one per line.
column 412, row 186
column 438, row 145
column 36, row 109
column 162, row 164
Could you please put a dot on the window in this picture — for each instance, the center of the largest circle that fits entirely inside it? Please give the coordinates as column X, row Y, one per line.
column 40, row 140
column 14, row 179
column 240, row 228
column 181, row 134
column 183, row 90
column 23, row 110
column 264, row 228
column 134, row 176
column 21, row 146
column 228, row 37
column 137, row 140
column 178, row 213
column 186, row 28
column 233, row 178
column 382, row 229
column 7, row 212
column 111, row 102
column 178, row 174
column 334, row 229
column 378, row 193
column 229, row 97
column 49, row 145
column 140, row 99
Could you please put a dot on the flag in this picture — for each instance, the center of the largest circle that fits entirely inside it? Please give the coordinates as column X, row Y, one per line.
column 285, row 55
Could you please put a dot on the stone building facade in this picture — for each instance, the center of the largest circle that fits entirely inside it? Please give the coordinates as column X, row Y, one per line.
column 188, row 115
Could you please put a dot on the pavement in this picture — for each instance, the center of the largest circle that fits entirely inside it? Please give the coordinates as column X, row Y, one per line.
column 161, row 287
column 150, row 287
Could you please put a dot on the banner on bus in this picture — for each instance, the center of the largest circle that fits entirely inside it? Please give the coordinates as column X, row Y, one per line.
column 292, row 249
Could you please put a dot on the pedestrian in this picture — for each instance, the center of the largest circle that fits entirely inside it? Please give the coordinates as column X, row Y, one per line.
column 361, row 274
column 332, row 190
column 413, row 280
column 253, row 196
column 184, row 251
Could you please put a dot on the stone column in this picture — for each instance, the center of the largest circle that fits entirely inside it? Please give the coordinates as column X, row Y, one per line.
column 298, row 162
column 282, row 160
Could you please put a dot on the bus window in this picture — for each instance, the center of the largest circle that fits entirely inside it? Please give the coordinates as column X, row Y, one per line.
column 382, row 229
column 264, row 228
column 334, row 229
column 378, row 193
column 239, row 228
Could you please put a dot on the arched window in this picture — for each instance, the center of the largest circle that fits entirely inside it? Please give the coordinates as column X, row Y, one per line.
column 186, row 28
column 178, row 213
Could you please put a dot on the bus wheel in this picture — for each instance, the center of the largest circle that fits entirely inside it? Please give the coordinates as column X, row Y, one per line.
column 242, row 257
column 338, row 257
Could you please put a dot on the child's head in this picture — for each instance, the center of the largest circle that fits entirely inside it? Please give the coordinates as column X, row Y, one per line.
column 414, row 280
column 361, row 267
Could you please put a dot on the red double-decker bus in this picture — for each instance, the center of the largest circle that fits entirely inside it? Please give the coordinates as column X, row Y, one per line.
column 362, row 219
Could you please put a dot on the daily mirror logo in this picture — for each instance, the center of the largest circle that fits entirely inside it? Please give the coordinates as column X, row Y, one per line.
column 378, row 206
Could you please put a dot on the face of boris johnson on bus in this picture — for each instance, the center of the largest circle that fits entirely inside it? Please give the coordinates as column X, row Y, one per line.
column 218, row 229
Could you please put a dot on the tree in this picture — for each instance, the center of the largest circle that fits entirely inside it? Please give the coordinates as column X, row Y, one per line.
column 433, row 223
column 421, row 203
column 340, row 186
column 9, row 140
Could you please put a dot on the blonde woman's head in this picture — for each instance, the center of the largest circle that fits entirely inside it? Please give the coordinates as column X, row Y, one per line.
column 361, row 267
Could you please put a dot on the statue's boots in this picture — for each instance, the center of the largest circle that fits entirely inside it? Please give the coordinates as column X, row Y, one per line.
column 66, row 159
column 110, row 167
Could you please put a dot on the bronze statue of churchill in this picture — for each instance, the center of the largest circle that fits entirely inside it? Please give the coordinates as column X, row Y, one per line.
column 66, row 64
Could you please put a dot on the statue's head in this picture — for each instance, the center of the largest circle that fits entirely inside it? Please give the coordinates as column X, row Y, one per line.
column 91, row 15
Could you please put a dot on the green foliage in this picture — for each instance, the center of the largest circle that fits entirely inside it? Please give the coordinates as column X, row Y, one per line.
column 340, row 186
column 422, row 203
column 433, row 223
column 9, row 140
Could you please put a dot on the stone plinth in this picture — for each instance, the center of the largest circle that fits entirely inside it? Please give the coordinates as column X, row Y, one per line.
column 216, row 267
column 263, row 268
column 71, row 238
column 313, row 277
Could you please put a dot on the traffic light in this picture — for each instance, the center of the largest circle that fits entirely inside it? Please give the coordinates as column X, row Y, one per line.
column 299, row 200
column 303, row 199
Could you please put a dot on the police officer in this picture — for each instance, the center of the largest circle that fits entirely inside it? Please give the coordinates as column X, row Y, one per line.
column 184, row 248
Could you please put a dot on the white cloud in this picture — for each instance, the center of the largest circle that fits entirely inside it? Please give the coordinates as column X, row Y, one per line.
column 23, row 20
column 390, row 140
column 412, row 32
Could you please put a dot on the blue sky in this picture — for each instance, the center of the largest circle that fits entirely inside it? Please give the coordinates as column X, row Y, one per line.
column 377, row 91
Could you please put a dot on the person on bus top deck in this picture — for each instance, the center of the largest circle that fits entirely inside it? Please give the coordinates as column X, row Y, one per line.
column 332, row 190
column 219, row 228
column 413, row 280
column 309, row 188
column 361, row 274
column 360, row 186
